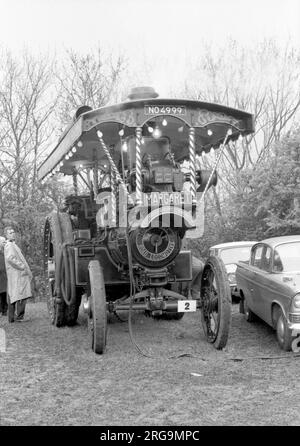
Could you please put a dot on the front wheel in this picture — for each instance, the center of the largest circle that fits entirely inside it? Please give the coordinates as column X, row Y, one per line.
column 249, row 315
column 215, row 302
column 97, row 322
column 283, row 332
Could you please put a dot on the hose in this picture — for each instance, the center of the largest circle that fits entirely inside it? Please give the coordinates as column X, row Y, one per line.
column 132, row 296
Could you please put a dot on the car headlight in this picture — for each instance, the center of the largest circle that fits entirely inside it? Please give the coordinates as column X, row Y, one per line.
column 231, row 278
column 296, row 301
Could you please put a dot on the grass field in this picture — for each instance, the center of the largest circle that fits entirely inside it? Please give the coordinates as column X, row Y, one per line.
column 50, row 376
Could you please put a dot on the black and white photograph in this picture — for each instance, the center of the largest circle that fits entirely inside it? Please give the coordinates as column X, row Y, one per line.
column 149, row 216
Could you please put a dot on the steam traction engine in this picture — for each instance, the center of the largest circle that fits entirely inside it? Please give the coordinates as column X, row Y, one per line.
column 139, row 189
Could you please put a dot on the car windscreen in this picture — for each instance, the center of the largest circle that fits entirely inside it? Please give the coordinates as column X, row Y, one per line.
column 234, row 255
column 287, row 257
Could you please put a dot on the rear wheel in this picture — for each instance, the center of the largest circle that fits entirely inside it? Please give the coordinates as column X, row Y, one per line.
column 283, row 332
column 72, row 310
column 215, row 302
column 52, row 265
column 63, row 299
column 98, row 314
column 249, row 315
column 71, row 294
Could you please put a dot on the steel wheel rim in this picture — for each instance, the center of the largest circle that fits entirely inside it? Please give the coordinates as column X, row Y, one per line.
column 50, row 281
column 97, row 320
column 210, row 302
column 91, row 323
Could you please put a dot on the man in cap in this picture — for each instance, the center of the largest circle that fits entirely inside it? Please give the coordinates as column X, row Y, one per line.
column 19, row 277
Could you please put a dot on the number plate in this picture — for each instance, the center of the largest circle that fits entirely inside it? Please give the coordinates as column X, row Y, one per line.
column 184, row 306
column 164, row 110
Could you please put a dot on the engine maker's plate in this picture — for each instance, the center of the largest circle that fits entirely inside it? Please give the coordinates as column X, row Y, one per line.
column 155, row 247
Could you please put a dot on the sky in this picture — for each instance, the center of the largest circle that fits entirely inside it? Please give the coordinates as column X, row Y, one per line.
column 156, row 24
column 145, row 29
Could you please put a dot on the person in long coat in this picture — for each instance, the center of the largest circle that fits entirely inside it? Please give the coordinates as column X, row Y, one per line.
column 3, row 279
column 19, row 278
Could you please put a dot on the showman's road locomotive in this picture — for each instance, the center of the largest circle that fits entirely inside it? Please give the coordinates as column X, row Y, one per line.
column 120, row 242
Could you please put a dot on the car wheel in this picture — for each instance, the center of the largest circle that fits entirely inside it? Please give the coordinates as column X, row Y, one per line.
column 249, row 315
column 284, row 334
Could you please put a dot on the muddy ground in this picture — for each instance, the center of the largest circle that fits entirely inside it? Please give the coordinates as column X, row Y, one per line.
column 50, row 376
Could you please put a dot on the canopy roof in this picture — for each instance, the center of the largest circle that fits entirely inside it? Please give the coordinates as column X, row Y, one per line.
column 171, row 117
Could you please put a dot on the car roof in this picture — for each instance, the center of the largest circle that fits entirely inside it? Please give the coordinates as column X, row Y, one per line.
column 233, row 244
column 274, row 241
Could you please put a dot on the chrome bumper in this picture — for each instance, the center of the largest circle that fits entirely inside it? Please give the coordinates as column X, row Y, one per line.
column 294, row 327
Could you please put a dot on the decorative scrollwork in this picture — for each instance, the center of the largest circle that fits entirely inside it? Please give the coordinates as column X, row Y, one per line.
column 126, row 117
column 204, row 117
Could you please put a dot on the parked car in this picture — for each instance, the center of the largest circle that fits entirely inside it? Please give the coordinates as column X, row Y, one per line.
column 231, row 253
column 270, row 286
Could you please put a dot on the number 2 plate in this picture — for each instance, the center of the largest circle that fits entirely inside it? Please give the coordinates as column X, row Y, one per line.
column 185, row 306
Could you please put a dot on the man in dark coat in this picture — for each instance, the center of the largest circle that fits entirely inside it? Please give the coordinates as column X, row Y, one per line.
column 3, row 279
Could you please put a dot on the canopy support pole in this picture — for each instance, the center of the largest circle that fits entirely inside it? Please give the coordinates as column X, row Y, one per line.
column 113, row 166
column 95, row 174
column 221, row 150
column 138, row 165
column 192, row 159
column 75, row 182
column 114, row 188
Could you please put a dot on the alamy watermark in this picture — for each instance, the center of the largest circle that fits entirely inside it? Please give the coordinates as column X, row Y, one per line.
column 166, row 209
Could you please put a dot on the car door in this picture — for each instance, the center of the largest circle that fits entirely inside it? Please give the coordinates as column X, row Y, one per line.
column 277, row 289
column 262, row 291
column 249, row 273
column 255, row 262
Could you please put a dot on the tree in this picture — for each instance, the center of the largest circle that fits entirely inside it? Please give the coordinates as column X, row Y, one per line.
column 90, row 79
column 264, row 80
column 267, row 203
column 26, row 109
column 25, row 122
